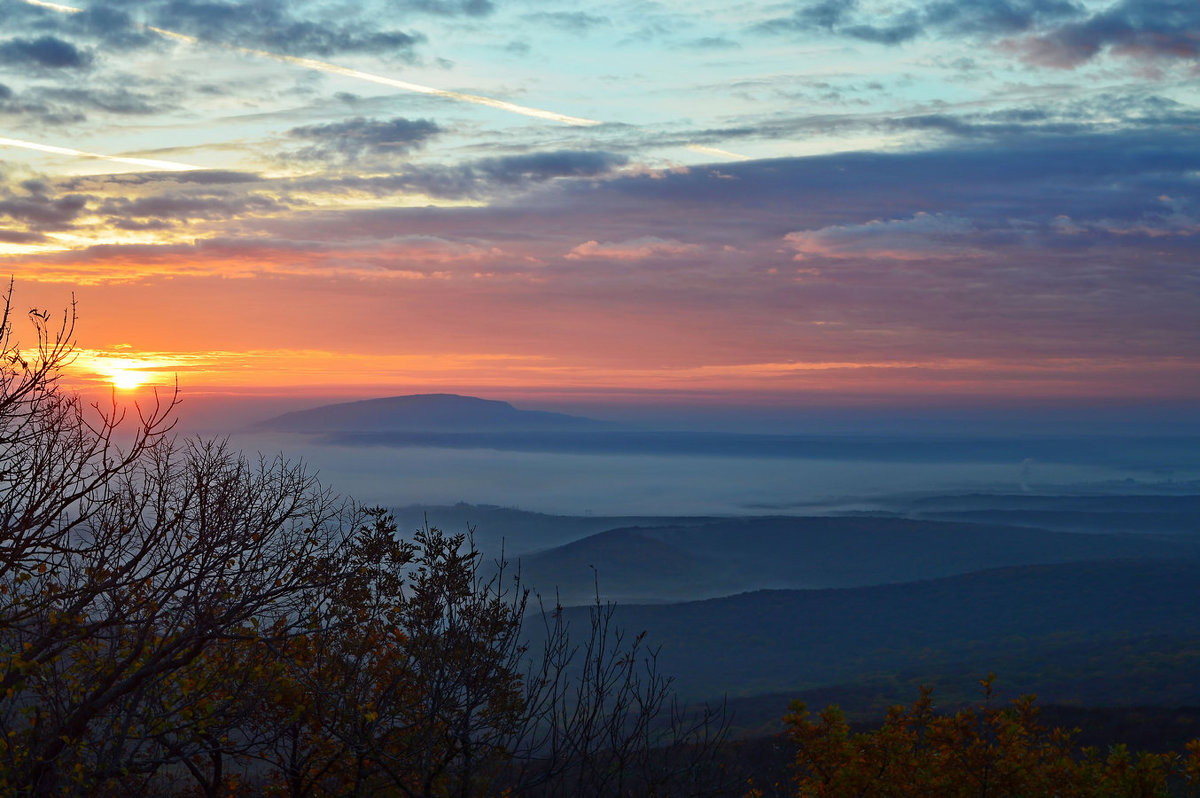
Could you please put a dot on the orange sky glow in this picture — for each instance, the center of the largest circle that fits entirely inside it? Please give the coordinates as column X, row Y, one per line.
column 707, row 206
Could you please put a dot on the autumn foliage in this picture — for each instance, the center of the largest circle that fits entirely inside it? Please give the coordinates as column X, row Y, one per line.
column 986, row 750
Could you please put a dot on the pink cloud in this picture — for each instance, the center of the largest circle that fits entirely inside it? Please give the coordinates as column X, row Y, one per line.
column 635, row 249
column 922, row 236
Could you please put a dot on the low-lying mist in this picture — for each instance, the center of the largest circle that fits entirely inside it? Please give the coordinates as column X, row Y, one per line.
column 580, row 484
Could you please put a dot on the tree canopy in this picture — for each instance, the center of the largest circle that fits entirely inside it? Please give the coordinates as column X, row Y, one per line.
column 988, row 750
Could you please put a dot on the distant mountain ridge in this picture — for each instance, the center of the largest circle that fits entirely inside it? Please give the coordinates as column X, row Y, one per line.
column 443, row 412
column 708, row 559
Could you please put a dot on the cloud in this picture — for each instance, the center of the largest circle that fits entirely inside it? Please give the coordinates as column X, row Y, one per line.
column 1054, row 33
column 267, row 31
column 21, row 237
column 14, row 104
column 483, row 177
column 112, row 27
column 153, row 212
column 446, row 8
column 119, row 100
column 992, row 17
column 712, row 43
column 271, row 26
column 1137, row 29
column 1073, row 245
column 40, row 211
column 1175, row 217
column 1009, row 123
column 986, row 18
column 1008, row 189
column 576, row 22
column 63, row 105
column 923, row 236
column 407, row 258
column 633, row 250
column 1046, row 117
column 354, row 138
column 541, row 166
column 138, row 179
column 92, row 206
column 48, row 52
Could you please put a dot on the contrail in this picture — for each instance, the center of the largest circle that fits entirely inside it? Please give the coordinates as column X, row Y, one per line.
column 171, row 166
column 334, row 69
column 54, row 6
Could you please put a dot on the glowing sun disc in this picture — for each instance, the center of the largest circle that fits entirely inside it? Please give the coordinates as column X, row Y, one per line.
column 126, row 380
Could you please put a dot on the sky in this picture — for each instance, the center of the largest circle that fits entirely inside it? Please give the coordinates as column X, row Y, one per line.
column 773, row 203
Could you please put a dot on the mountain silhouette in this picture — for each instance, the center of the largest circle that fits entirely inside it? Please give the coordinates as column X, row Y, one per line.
column 424, row 412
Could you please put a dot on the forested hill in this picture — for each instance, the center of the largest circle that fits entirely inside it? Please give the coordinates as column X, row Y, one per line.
column 1068, row 622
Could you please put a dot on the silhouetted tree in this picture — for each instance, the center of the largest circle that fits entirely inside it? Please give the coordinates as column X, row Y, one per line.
column 416, row 679
column 122, row 562
column 177, row 616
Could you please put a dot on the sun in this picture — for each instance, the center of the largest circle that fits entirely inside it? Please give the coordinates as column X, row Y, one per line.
column 126, row 379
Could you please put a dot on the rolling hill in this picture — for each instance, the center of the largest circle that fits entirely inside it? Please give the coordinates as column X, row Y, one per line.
column 707, row 558
column 1118, row 632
